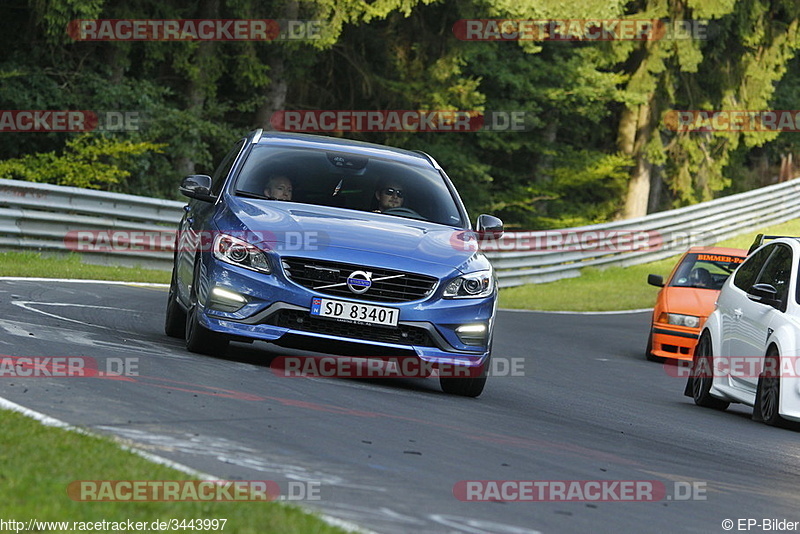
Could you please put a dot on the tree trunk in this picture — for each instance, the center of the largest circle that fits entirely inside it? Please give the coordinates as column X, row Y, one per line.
column 787, row 168
column 656, row 189
column 275, row 96
column 638, row 190
column 196, row 88
column 635, row 129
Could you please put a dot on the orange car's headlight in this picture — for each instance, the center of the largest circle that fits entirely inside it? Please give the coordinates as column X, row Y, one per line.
column 677, row 319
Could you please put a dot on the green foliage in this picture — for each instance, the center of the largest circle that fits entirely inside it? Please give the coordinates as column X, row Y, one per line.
column 87, row 161
column 55, row 15
column 585, row 189
column 571, row 165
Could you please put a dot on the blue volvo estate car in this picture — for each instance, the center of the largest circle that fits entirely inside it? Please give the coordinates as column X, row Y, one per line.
column 336, row 246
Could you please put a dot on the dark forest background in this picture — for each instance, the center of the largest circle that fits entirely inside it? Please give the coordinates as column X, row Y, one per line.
column 597, row 146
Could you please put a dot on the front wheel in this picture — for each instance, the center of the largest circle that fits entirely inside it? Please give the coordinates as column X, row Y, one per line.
column 703, row 375
column 464, row 381
column 648, row 351
column 200, row 339
column 175, row 319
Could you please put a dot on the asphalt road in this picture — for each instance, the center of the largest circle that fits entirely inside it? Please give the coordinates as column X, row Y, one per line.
column 387, row 454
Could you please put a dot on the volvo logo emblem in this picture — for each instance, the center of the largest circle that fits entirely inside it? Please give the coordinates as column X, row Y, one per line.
column 359, row 281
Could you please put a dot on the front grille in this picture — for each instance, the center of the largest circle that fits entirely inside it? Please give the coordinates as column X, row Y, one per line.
column 387, row 285
column 302, row 321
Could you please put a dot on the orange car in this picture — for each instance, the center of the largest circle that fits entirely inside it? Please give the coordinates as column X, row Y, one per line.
column 687, row 299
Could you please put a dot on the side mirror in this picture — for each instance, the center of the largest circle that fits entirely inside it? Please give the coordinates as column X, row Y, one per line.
column 197, row 186
column 655, row 280
column 489, row 226
column 764, row 294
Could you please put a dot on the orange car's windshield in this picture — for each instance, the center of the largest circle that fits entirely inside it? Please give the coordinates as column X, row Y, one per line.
column 705, row 270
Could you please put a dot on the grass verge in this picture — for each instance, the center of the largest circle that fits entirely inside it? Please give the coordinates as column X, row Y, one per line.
column 615, row 288
column 38, row 462
column 33, row 264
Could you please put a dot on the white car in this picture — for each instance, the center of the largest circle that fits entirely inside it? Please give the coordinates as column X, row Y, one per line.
column 749, row 346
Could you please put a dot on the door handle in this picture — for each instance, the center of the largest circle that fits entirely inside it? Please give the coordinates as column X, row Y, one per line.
column 737, row 313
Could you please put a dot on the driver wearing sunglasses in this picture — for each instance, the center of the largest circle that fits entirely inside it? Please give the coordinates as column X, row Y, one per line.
column 389, row 196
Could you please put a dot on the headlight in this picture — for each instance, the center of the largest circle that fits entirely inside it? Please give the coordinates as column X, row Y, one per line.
column 470, row 286
column 237, row 252
column 683, row 320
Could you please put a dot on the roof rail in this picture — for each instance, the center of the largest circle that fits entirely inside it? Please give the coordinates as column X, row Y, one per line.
column 760, row 238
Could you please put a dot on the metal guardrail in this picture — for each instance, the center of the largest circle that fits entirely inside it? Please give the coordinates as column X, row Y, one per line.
column 47, row 217
column 535, row 257
column 50, row 218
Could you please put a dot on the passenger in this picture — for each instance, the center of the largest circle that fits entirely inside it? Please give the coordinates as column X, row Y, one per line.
column 278, row 188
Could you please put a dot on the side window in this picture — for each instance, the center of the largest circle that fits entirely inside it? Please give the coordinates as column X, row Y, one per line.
column 777, row 272
column 218, row 178
column 745, row 276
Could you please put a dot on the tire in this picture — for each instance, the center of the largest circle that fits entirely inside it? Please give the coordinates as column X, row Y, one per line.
column 175, row 317
column 768, row 392
column 200, row 339
column 702, row 376
column 648, row 351
column 465, row 386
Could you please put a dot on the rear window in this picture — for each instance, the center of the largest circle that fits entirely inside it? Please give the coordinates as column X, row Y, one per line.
column 705, row 271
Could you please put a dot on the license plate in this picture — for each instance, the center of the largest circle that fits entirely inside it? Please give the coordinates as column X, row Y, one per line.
column 354, row 313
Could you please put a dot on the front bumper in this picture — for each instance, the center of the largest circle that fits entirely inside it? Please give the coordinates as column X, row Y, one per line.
column 277, row 310
column 674, row 342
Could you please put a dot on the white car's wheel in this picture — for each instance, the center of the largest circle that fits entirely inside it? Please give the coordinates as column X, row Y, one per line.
column 768, row 393
column 703, row 374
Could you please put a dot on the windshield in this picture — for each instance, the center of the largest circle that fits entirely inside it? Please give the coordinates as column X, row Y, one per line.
column 349, row 181
column 705, row 271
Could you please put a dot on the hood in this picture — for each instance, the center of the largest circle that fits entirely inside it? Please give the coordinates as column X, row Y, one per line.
column 690, row 301
column 350, row 236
